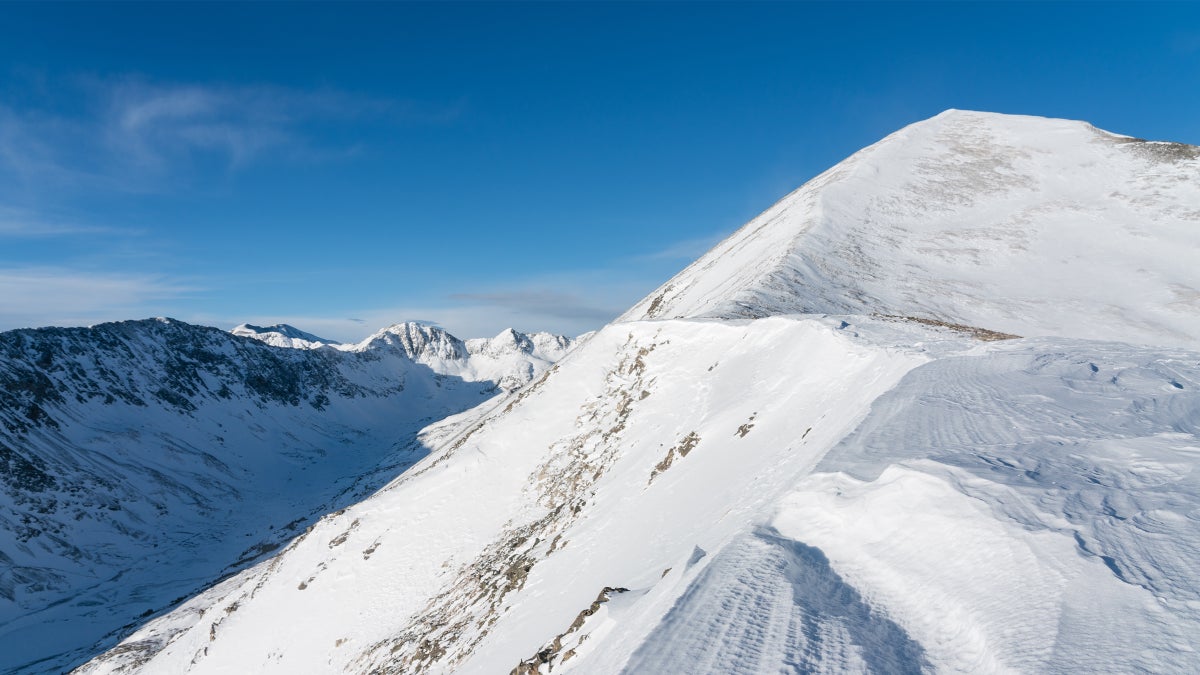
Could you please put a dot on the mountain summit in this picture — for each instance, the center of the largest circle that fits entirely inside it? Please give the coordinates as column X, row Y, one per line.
column 1025, row 225
column 820, row 448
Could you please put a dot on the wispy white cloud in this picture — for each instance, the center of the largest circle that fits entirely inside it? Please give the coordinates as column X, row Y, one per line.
column 28, row 224
column 541, row 302
column 156, row 126
column 683, row 250
column 51, row 296
column 134, row 135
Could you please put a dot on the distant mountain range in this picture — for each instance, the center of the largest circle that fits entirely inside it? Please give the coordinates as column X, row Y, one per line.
column 140, row 461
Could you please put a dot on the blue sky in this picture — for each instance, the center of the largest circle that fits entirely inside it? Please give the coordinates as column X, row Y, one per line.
column 343, row 167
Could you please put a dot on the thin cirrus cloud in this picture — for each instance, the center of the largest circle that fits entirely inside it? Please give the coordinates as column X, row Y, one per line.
column 44, row 296
column 584, row 299
column 686, row 249
column 27, row 224
column 154, row 125
column 540, row 303
column 130, row 136
column 137, row 136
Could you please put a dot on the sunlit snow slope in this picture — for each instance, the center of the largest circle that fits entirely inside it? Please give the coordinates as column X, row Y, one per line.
column 1024, row 225
column 821, row 448
column 651, row 440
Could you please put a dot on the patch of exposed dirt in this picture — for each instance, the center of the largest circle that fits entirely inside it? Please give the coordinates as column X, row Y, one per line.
column 553, row 654
column 745, row 428
column 341, row 538
column 680, row 449
column 1159, row 151
column 367, row 552
column 656, row 305
column 982, row 334
column 305, row 584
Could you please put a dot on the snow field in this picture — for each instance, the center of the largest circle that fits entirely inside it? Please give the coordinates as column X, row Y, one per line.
column 444, row 533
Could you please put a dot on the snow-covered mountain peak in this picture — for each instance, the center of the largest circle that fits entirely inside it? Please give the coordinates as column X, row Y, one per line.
column 283, row 335
column 510, row 337
column 511, row 359
column 692, row 491
column 418, row 341
column 507, row 341
column 510, row 343
column 1026, row 225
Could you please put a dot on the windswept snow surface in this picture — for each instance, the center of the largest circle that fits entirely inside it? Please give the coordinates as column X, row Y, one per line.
column 1025, row 225
column 1034, row 508
column 814, row 450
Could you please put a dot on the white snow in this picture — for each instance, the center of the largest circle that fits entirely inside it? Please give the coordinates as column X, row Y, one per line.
column 151, row 502
column 1025, row 225
column 585, row 439
column 1074, row 460
column 283, row 335
column 766, row 467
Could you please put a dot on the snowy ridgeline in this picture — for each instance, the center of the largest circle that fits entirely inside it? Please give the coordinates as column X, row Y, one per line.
column 511, row 359
column 141, row 461
column 822, row 494
column 823, row 447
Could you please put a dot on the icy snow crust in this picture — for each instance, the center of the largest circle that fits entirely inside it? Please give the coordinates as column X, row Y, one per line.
column 718, row 484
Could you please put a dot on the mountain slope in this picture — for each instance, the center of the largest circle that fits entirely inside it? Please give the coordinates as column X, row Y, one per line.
column 821, row 448
column 1024, row 225
column 508, row 512
column 1001, row 506
column 142, row 460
